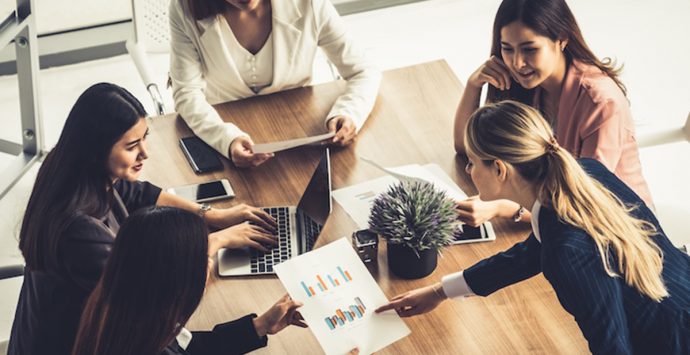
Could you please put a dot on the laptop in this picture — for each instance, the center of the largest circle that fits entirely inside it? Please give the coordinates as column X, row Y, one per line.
column 298, row 228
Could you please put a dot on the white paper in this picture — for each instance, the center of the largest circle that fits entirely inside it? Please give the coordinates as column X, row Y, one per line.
column 357, row 199
column 331, row 280
column 283, row 145
column 431, row 173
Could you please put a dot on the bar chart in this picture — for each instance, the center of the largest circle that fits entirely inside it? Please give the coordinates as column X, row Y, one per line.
column 334, row 280
column 349, row 315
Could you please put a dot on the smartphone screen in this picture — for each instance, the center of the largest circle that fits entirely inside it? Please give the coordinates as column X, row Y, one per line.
column 200, row 155
column 208, row 191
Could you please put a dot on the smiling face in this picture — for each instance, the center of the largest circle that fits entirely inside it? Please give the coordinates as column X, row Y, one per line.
column 128, row 154
column 532, row 59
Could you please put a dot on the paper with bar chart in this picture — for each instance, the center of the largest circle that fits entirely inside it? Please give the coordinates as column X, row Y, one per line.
column 339, row 297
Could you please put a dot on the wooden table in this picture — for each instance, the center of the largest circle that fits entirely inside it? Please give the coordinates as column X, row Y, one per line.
column 412, row 122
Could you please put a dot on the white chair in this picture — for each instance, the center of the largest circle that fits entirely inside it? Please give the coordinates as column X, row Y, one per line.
column 671, row 213
column 664, row 136
column 151, row 35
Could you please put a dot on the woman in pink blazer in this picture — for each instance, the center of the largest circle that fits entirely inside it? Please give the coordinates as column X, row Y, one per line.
column 539, row 57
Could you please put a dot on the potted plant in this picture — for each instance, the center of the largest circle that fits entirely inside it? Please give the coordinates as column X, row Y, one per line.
column 417, row 221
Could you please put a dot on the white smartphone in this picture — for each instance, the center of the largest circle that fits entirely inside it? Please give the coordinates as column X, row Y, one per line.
column 205, row 192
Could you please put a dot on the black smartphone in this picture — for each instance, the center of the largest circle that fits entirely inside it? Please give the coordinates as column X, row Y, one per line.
column 467, row 234
column 205, row 192
column 200, row 155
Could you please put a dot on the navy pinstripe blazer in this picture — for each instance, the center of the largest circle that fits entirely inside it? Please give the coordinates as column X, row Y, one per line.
column 614, row 317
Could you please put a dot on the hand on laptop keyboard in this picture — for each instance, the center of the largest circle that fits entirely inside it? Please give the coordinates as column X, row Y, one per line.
column 244, row 235
column 227, row 217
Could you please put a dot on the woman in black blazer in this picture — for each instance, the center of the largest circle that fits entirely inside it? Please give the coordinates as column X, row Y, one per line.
column 85, row 189
column 151, row 285
column 597, row 243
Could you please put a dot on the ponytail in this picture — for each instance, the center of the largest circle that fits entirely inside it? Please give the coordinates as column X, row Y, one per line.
column 517, row 134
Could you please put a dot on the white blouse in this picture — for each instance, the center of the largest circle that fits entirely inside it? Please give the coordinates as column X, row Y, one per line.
column 255, row 69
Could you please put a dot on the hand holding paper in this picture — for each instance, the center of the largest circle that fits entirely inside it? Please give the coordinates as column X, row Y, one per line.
column 288, row 144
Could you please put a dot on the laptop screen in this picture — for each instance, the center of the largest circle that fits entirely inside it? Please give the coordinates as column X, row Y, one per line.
column 316, row 200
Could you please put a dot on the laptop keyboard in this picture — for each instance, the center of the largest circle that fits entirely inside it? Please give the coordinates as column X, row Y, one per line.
column 311, row 231
column 263, row 262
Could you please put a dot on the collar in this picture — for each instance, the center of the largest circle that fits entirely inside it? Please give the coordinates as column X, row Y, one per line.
column 285, row 11
column 184, row 338
column 535, row 219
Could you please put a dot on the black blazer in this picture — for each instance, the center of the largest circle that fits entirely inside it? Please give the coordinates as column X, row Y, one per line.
column 614, row 317
column 236, row 337
column 51, row 301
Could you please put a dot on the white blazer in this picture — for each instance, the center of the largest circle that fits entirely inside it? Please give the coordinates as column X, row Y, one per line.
column 203, row 72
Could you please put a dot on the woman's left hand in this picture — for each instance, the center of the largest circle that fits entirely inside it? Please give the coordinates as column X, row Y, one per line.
column 278, row 317
column 344, row 128
column 226, row 217
column 419, row 301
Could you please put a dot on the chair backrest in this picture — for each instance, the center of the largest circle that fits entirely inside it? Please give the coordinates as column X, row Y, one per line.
column 151, row 26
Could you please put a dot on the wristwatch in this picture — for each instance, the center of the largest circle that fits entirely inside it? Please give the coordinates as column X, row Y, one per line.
column 518, row 215
column 205, row 207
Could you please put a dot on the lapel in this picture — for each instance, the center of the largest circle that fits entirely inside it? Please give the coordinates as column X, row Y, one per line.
column 285, row 40
column 215, row 53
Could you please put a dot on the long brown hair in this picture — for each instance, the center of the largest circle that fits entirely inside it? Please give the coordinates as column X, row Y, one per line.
column 519, row 136
column 552, row 19
column 73, row 179
column 151, row 285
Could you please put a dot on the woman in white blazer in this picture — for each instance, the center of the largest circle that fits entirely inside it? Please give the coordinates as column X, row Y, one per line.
column 225, row 50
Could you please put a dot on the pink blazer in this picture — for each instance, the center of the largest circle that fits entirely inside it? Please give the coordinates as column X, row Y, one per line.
column 594, row 121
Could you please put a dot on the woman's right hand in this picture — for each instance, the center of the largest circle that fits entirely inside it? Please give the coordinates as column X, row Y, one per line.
column 494, row 72
column 240, row 236
column 242, row 155
column 281, row 315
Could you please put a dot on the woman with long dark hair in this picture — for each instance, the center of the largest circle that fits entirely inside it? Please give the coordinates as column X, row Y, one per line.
column 598, row 244
column 85, row 189
column 151, row 285
column 540, row 58
column 226, row 50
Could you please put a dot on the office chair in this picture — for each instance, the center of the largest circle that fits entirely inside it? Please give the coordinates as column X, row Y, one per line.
column 665, row 136
column 8, row 272
column 151, row 35
column 672, row 214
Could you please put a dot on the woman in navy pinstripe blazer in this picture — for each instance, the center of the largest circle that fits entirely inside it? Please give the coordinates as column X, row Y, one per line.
column 597, row 243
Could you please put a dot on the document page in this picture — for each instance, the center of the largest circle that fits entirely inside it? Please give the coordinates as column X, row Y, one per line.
column 284, row 145
column 340, row 297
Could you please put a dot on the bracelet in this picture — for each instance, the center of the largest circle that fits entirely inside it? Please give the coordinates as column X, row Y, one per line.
column 518, row 215
column 205, row 207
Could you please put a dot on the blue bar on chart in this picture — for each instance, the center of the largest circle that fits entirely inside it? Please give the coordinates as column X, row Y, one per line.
column 340, row 318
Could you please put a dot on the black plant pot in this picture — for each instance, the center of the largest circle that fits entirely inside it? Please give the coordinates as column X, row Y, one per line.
column 404, row 262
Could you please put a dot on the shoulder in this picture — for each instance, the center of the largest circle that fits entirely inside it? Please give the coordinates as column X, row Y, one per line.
column 85, row 228
column 598, row 86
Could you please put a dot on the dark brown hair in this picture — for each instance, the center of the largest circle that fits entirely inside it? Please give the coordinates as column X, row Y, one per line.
column 151, row 285
column 73, row 180
column 552, row 19
column 202, row 9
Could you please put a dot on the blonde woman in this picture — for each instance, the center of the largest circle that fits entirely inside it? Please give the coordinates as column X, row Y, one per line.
column 595, row 240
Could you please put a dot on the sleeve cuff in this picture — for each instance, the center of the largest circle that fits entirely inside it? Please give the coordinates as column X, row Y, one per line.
column 455, row 285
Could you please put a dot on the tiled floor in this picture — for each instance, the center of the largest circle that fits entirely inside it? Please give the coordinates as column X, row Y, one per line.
column 648, row 37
